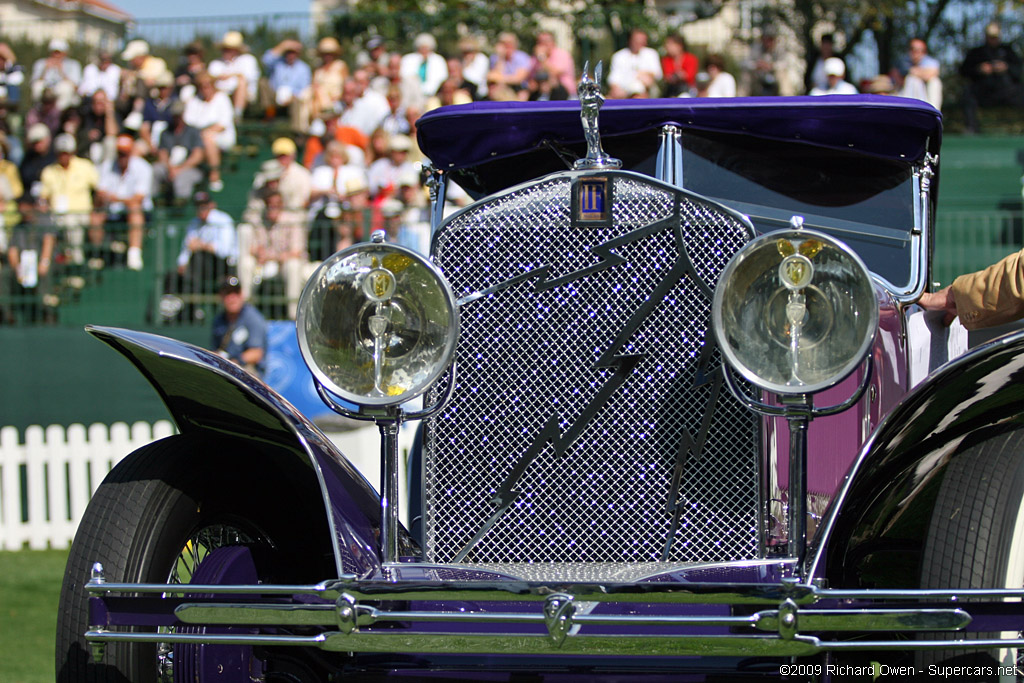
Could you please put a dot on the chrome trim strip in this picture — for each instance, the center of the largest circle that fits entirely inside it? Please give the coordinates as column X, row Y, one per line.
column 240, row 613
column 264, row 615
column 771, row 621
column 391, row 641
column 494, row 591
column 500, row 591
column 887, row 620
column 325, row 588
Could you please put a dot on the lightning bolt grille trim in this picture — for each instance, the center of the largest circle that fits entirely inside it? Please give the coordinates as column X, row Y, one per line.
column 587, row 424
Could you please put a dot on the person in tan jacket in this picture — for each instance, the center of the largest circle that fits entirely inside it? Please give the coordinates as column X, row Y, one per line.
column 992, row 296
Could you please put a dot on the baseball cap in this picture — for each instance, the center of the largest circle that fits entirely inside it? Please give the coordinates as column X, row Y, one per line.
column 834, row 67
column 37, row 132
column 202, row 197
column 401, row 143
column 283, row 146
column 64, row 143
column 58, row 45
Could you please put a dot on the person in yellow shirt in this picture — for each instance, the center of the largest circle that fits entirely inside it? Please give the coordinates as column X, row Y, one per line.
column 10, row 189
column 66, row 190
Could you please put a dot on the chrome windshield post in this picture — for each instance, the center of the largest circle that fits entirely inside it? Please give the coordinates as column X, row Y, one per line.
column 669, row 164
column 437, row 185
column 921, row 234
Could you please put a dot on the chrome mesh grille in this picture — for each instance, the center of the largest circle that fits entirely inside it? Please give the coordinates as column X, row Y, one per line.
column 544, row 456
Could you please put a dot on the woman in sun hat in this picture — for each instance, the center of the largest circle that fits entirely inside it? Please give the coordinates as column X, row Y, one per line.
column 237, row 72
column 328, row 78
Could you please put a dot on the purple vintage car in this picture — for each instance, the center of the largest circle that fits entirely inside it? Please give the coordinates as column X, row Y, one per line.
column 662, row 368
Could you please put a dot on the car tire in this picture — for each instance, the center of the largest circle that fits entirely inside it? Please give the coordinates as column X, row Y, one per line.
column 144, row 518
column 976, row 535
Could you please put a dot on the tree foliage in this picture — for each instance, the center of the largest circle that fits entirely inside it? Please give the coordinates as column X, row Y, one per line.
column 602, row 26
column 399, row 21
column 948, row 26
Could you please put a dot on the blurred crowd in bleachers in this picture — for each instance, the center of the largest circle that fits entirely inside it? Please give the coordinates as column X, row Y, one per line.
column 89, row 153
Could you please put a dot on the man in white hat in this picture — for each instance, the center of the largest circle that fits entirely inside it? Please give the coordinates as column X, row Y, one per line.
column 142, row 69
column 237, row 72
column 384, row 173
column 835, row 71
column 425, row 66
column 59, row 73
column 140, row 75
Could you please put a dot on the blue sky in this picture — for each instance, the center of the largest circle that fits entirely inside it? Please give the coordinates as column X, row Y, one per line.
column 180, row 21
column 147, row 9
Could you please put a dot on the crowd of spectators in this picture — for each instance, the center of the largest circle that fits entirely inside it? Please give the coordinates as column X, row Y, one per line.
column 94, row 147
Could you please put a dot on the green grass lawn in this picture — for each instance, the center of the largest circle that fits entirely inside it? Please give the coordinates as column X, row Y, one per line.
column 29, row 590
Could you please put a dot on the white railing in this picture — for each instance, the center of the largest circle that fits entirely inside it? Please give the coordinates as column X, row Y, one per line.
column 46, row 482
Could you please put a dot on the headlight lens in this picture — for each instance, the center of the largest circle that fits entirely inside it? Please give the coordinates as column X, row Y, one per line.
column 795, row 311
column 377, row 324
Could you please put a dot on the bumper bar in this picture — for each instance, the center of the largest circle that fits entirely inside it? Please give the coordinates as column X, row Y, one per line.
column 542, row 618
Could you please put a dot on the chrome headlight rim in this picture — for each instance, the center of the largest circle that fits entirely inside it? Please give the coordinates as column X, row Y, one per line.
column 730, row 356
column 447, row 353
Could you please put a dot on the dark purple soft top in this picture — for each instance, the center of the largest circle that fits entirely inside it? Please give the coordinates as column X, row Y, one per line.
column 465, row 136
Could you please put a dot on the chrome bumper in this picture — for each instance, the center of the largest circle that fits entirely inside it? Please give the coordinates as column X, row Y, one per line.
column 555, row 619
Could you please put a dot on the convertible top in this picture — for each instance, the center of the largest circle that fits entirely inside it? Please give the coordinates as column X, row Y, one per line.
column 467, row 137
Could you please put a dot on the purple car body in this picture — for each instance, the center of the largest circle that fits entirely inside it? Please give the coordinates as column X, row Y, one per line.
column 559, row 555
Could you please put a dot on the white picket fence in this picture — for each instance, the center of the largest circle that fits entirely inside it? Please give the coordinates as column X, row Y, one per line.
column 46, row 479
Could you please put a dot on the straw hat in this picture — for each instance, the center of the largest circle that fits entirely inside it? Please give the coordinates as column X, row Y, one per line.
column 136, row 48
column 329, row 45
column 233, row 40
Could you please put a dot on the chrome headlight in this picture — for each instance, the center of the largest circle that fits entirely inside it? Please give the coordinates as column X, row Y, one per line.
column 377, row 324
column 795, row 311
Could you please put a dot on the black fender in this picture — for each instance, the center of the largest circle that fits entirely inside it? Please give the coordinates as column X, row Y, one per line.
column 206, row 394
column 874, row 533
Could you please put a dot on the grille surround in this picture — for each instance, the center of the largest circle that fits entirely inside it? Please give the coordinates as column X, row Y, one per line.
column 589, row 388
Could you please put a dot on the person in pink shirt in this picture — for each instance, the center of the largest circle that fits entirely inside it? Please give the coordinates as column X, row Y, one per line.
column 555, row 61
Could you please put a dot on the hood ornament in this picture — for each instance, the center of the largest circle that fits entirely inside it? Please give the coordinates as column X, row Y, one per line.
column 591, row 99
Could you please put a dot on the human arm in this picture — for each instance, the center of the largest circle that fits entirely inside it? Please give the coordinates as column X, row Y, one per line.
column 989, row 297
column 191, row 238
column 46, row 253
column 926, row 70
column 253, row 355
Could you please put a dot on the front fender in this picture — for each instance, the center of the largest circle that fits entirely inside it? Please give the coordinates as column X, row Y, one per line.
column 874, row 532
column 205, row 393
